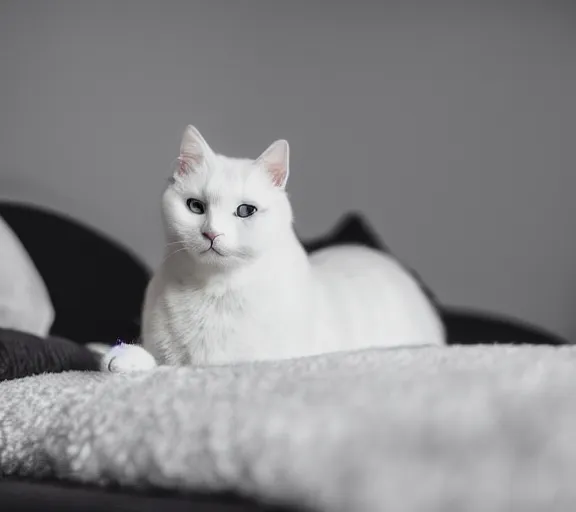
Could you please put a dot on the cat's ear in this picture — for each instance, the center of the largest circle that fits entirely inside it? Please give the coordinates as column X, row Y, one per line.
column 276, row 161
column 194, row 150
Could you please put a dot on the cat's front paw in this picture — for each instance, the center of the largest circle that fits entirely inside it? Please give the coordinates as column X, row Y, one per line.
column 125, row 358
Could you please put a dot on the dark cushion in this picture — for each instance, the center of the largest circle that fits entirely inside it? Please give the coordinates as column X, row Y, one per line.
column 465, row 327
column 96, row 284
column 23, row 354
column 56, row 496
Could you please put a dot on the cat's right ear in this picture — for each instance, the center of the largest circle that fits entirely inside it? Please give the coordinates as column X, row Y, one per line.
column 275, row 161
column 194, row 151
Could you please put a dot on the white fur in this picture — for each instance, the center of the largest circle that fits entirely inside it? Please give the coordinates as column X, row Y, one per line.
column 126, row 358
column 262, row 297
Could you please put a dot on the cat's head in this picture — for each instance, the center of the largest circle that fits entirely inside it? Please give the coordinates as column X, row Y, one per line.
column 224, row 212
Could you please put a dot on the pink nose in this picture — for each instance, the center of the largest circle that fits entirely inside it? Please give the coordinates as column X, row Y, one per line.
column 210, row 235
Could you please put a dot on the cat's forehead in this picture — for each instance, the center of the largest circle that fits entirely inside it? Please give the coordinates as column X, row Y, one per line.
column 229, row 178
column 227, row 172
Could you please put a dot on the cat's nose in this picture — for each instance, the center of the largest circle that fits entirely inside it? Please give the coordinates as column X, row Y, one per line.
column 210, row 235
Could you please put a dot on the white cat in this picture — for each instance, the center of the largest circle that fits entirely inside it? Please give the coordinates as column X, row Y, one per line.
column 236, row 285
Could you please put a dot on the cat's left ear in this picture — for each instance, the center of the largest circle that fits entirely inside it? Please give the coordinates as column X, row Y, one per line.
column 276, row 161
column 194, row 150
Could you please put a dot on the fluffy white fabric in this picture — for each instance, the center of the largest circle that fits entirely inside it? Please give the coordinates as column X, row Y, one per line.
column 487, row 428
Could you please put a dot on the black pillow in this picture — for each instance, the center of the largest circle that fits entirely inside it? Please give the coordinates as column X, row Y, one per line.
column 466, row 327
column 95, row 284
column 23, row 354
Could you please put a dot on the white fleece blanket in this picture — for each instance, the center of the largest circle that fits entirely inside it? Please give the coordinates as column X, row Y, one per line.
column 486, row 428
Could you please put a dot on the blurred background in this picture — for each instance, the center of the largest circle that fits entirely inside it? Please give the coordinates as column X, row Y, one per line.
column 451, row 126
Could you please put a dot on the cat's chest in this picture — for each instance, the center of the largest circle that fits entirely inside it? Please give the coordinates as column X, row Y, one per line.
column 216, row 315
column 202, row 307
column 262, row 318
column 218, row 328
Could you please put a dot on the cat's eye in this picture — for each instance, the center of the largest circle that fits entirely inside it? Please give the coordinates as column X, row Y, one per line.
column 245, row 210
column 196, row 206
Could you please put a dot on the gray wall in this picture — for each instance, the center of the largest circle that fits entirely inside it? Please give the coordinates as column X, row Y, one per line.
column 452, row 128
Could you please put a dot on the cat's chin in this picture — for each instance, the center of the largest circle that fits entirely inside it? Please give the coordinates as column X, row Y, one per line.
column 214, row 258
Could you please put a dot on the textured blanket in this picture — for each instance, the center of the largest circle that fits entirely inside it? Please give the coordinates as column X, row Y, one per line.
column 428, row 429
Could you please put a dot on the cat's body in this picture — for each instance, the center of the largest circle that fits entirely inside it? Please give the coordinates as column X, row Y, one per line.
column 237, row 287
column 344, row 298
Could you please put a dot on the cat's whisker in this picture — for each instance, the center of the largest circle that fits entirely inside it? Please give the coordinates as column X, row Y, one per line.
column 173, row 253
column 181, row 242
